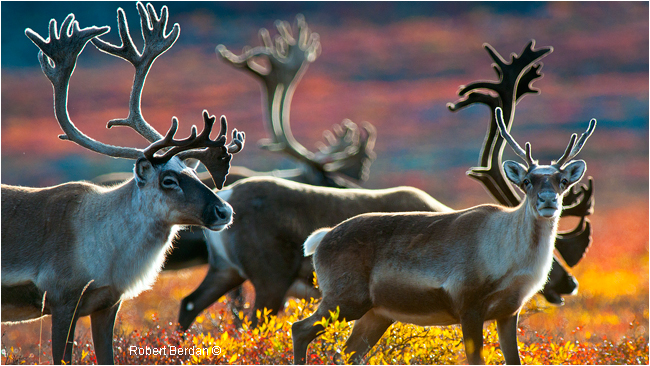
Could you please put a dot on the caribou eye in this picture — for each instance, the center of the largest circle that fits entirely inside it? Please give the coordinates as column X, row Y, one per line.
column 564, row 182
column 526, row 182
column 169, row 182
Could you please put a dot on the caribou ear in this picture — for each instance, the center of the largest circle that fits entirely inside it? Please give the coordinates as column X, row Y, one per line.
column 143, row 171
column 574, row 171
column 514, row 171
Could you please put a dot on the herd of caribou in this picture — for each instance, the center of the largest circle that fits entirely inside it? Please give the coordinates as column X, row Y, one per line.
column 381, row 255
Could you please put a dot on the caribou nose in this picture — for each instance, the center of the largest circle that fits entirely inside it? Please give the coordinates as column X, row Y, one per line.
column 547, row 197
column 220, row 216
column 224, row 212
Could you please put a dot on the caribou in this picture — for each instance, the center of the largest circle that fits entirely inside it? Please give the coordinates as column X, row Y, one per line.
column 515, row 78
column 460, row 267
column 80, row 249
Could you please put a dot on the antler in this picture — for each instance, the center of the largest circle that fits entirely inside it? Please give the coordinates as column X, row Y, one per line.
column 217, row 156
column 526, row 155
column 579, row 203
column 573, row 245
column 62, row 50
column 515, row 81
column 350, row 150
column 58, row 58
column 288, row 60
column 193, row 142
column 156, row 42
column 350, row 153
column 573, row 149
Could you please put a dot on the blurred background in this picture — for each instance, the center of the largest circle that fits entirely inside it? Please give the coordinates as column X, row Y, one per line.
column 393, row 64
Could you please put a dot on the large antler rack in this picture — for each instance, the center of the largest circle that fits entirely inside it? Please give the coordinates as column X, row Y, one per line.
column 515, row 81
column 58, row 56
column 350, row 151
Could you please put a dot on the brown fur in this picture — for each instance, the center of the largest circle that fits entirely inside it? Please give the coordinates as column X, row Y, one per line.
column 273, row 217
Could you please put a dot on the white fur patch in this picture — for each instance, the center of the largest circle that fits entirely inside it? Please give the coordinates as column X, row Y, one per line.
column 313, row 240
column 225, row 194
column 216, row 243
column 142, row 280
column 215, row 240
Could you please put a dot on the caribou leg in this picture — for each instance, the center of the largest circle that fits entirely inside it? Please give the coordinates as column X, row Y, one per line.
column 217, row 282
column 304, row 331
column 236, row 303
column 471, row 323
column 64, row 322
column 102, row 323
column 269, row 294
column 365, row 334
column 507, row 330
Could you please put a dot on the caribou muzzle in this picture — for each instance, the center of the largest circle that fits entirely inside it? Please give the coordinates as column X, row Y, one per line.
column 218, row 216
column 548, row 204
column 204, row 206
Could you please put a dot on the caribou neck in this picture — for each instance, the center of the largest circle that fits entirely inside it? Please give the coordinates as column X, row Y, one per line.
column 530, row 231
column 525, row 250
column 135, row 244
